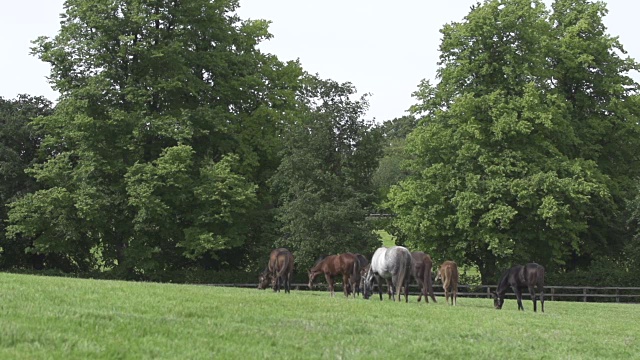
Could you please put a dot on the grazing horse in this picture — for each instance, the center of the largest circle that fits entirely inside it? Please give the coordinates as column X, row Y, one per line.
column 389, row 263
column 364, row 262
column 346, row 264
column 448, row 272
column 421, row 271
column 278, row 271
column 519, row 277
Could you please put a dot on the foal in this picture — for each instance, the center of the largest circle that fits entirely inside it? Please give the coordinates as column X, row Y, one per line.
column 345, row 264
column 449, row 274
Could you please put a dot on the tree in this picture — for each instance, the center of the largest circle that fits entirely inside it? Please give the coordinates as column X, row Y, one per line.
column 390, row 169
column 165, row 135
column 324, row 180
column 496, row 176
column 19, row 144
column 594, row 83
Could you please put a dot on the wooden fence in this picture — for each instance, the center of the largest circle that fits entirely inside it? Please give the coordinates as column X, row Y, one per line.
column 553, row 293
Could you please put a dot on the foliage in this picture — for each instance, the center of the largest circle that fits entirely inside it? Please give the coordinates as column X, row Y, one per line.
column 324, row 179
column 19, row 143
column 167, row 130
column 512, row 160
column 56, row 318
column 390, row 169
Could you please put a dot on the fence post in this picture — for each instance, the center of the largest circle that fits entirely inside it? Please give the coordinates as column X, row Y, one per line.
column 617, row 295
column 584, row 292
column 488, row 292
column 553, row 291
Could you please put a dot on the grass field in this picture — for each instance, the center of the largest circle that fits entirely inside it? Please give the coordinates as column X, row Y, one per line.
column 58, row 318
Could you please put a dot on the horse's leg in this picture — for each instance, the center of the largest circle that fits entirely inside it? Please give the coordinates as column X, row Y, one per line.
column 329, row 282
column 396, row 287
column 454, row 297
column 406, row 291
column 379, row 281
column 446, row 294
column 287, row 284
column 518, row 293
column 541, row 291
column 532, row 292
column 421, row 286
column 345, row 283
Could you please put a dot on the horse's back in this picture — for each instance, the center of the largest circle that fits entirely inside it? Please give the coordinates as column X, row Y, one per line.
column 421, row 262
column 449, row 272
column 281, row 259
column 388, row 261
column 362, row 260
column 377, row 260
column 347, row 261
column 535, row 274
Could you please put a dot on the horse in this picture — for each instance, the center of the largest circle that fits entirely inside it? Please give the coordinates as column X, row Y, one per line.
column 278, row 270
column 448, row 272
column 389, row 263
column 421, row 271
column 519, row 277
column 364, row 262
column 345, row 264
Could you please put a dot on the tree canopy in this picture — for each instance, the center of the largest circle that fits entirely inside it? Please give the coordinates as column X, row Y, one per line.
column 324, row 181
column 514, row 158
column 166, row 129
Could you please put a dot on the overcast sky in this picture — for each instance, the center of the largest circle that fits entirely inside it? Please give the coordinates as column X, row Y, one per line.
column 383, row 48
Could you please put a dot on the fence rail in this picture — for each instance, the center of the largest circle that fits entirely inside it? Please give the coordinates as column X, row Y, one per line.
column 553, row 293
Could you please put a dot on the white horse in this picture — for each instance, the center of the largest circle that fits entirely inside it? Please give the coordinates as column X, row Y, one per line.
column 389, row 263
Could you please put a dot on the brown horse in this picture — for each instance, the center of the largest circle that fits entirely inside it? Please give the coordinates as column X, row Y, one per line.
column 449, row 274
column 421, row 271
column 346, row 264
column 278, row 271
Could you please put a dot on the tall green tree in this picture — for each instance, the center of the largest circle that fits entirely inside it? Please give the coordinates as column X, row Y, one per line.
column 19, row 143
column 324, row 181
column 165, row 135
column 500, row 172
column 390, row 169
column 593, row 80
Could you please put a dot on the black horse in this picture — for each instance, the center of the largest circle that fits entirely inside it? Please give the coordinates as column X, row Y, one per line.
column 519, row 277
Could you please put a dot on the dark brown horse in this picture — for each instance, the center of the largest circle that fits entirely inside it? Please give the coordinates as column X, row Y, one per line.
column 331, row 266
column 421, row 271
column 448, row 272
column 364, row 262
column 518, row 278
column 278, row 271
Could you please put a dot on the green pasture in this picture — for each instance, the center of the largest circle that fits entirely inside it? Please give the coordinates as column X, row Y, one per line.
column 62, row 318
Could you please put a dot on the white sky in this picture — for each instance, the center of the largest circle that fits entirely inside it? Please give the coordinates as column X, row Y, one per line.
column 383, row 48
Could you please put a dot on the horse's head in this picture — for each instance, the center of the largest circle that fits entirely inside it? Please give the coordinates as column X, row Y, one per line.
column 367, row 279
column 263, row 280
column 498, row 300
column 438, row 276
column 312, row 276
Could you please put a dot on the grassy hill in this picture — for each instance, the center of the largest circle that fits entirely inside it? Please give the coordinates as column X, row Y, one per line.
column 61, row 318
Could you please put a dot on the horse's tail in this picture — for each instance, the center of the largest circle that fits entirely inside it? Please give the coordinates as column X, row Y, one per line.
column 403, row 275
column 282, row 268
column 355, row 277
column 446, row 275
column 428, row 284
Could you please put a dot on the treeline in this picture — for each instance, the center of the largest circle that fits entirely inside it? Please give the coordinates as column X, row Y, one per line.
column 178, row 148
